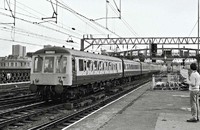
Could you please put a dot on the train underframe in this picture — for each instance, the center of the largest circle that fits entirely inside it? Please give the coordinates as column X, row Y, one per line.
column 65, row 93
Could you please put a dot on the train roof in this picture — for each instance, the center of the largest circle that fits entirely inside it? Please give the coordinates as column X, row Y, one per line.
column 62, row 50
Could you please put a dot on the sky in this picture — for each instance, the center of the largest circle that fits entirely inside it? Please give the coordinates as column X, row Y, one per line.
column 140, row 18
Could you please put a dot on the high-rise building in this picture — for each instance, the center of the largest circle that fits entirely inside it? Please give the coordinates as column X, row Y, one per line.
column 19, row 50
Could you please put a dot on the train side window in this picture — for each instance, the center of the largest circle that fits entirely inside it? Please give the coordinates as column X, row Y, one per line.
column 100, row 65
column 80, row 65
column 95, row 65
column 73, row 65
column 105, row 66
column 114, row 68
column 89, row 65
column 85, row 65
column 119, row 66
column 110, row 66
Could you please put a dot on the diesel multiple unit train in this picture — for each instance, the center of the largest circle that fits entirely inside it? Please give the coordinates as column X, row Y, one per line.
column 61, row 73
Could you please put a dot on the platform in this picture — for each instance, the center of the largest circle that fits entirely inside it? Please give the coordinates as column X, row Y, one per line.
column 143, row 109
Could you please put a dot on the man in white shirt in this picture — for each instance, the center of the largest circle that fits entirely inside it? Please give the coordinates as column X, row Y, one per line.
column 193, row 81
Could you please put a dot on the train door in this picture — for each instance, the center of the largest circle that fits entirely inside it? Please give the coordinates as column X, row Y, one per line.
column 123, row 65
column 74, row 73
column 141, row 68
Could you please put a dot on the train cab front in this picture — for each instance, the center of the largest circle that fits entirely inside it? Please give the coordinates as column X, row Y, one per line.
column 49, row 75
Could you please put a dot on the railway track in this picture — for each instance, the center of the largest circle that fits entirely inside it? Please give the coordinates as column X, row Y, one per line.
column 6, row 103
column 55, row 116
column 69, row 119
column 14, row 89
column 16, row 115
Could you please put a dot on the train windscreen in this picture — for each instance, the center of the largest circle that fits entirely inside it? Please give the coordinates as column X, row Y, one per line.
column 48, row 64
column 38, row 61
column 61, row 63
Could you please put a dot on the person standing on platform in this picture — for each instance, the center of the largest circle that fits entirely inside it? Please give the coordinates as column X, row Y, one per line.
column 193, row 81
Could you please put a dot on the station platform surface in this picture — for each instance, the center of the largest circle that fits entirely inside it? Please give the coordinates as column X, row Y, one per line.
column 143, row 109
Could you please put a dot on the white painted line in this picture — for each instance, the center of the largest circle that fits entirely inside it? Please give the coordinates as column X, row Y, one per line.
column 14, row 83
column 102, row 107
column 186, row 96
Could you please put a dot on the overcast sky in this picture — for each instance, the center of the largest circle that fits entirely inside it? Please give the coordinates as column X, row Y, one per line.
column 147, row 18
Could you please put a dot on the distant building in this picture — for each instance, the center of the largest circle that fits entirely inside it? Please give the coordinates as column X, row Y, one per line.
column 13, row 61
column 18, row 50
column 18, row 58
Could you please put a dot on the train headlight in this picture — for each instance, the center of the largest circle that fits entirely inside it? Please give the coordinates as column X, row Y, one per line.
column 33, row 88
column 59, row 89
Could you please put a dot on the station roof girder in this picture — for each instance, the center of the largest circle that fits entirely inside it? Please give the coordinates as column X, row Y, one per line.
column 137, row 41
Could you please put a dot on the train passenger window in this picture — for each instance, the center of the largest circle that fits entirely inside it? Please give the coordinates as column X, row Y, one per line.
column 114, row 68
column 84, row 65
column 89, row 65
column 119, row 66
column 73, row 65
column 110, row 66
column 49, row 64
column 80, row 65
column 100, row 65
column 37, row 64
column 61, row 63
column 105, row 66
column 95, row 65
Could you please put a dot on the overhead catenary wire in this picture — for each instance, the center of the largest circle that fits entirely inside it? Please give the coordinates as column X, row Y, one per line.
column 31, row 34
column 59, row 22
column 91, row 20
column 50, row 22
column 40, row 13
column 78, row 35
column 28, row 43
column 21, row 42
column 193, row 28
column 124, row 21
column 92, row 26
column 64, row 25
column 39, row 25
column 40, row 21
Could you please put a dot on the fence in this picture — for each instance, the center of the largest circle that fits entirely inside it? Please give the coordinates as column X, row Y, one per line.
column 167, row 82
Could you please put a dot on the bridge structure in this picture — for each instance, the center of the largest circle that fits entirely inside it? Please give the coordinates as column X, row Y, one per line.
column 160, row 54
column 165, row 54
column 175, row 52
column 87, row 42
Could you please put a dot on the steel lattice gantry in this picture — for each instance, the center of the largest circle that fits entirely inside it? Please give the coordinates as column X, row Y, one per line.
column 136, row 41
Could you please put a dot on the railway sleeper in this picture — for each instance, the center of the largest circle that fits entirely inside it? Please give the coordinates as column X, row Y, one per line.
column 85, row 103
column 113, row 91
column 18, row 124
column 97, row 97
column 69, row 106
